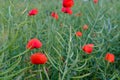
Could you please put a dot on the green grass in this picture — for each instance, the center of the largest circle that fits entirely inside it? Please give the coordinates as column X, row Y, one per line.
column 66, row 60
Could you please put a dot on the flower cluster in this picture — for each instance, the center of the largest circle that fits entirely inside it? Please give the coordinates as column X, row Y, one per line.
column 36, row 58
column 66, row 6
column 40, row 58
column 88, row 48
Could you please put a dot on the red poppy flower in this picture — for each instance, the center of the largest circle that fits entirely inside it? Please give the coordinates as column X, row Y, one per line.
column 33, row 43
column 33, row 12
column 78, row 34
column 38, row 58
column 68, row 3
column 85, row 27
column 54, row 15
column 67, row 10
column 95, row 1
column 110, row 57
column 88, row 48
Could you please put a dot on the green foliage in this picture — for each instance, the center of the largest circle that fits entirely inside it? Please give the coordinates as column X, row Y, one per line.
column 66, row 60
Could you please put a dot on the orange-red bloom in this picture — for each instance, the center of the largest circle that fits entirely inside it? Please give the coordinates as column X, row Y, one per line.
column 68, row 3
column 33, row 12
column 55, row 15
column 33, row 43
column 38, row 58
column 95, row 1
column 88, row 48
column 66, row 10
column 85, row 27
column 78, row 34
column 110, row 57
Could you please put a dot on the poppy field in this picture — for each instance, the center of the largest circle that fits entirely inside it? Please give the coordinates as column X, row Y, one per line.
column 59, row 39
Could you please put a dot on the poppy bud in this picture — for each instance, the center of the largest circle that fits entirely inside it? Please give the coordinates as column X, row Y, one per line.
column 110, row 57
column 78, row 34
column 85, row 27
column 54, row 15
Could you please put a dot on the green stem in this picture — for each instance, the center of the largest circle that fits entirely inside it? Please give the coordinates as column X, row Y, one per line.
column 46, row 72
column 108, row 63
column 68, row 54
column 40, row 73
column 106, row 68
column 92, row 28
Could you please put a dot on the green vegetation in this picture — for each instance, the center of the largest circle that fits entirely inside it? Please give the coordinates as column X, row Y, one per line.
column 66, row 59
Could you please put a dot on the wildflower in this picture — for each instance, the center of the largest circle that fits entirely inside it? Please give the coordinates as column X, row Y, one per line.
column 68, row 3
column 85, row 27
column 54, row 15
column 110, row 57
column 33, row 43
column 33, row 12
column 88, row 48
column 38, row 58
column 95, row 1
column 66, row 10
column 78, row 34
